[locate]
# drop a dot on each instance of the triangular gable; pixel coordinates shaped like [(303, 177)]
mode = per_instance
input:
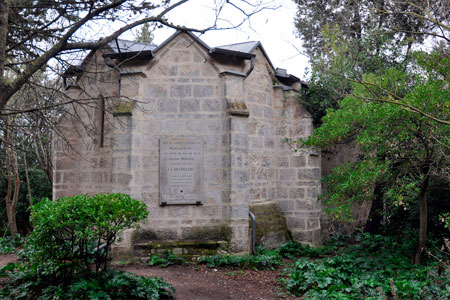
[(177, 33)]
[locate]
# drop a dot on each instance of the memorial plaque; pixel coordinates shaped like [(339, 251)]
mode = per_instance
[(181, 170)]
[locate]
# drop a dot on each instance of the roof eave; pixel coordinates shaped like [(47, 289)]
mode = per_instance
[(131, 55), (227, 52)]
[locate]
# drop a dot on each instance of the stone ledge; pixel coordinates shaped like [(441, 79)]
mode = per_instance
[(187, 249)]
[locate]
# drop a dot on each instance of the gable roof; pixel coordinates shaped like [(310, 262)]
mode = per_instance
[(247, 47), (123, 49)]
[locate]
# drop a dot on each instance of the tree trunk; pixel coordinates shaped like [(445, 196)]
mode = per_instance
[(4, 10), (11, 212), (423, 218), (30, 197), (12, 195)]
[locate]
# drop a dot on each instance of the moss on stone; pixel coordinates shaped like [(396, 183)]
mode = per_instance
[(205, 233), (143, 234), (271, 229), (189, 250), (123, 107)]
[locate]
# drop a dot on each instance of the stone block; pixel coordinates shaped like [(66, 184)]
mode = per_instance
[(181, 91), (295, 223), (189, 70), (296, 193), (308, 174), (172, 126), (313, 224), (202, 91), (189, 105), (212, 105), (168, 70), (282, 193), (268, 113), (303, 205), (239, 140), (180, 56), (297, 161), (286, 205), (286, 175), (239, 176), (168, 106), (312, 192)]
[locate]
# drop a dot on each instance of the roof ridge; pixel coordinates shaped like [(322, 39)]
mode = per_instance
[(131, 41), (237, 43)]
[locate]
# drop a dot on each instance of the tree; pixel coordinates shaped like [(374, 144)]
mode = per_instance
[(393, 104), (32, 33), (144, 35), (373, 35), (25, 141)]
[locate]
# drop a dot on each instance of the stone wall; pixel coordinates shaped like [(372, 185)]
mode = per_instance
[(82, 150), (183, 92), (181, 96), (298, 172)]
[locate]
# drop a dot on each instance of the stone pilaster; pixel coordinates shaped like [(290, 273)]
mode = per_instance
[(298, 172), (239, 173)]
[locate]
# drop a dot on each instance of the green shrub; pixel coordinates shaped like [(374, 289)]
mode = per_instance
[(66, 255), (73, 233), (166, 259), (106, 285)]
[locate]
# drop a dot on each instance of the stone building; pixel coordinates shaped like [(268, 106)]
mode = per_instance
[(199, 134)]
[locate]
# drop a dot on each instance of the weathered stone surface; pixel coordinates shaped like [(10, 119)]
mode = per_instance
[(185, 94), (181, 91)]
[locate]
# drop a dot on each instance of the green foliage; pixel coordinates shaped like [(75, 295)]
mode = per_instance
[(106, 285), (66, 242), (68, 233), (40, 188), (371, 268), (342, 62), (263, 260), (399, 148), (445, 219), (166, 259), (144, 34), (9, 244), (293, 249)]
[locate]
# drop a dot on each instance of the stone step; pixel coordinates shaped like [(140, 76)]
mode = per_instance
[(188, 248)]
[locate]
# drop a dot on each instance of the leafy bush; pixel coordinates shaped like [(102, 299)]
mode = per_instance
[(105, 285), (377, 267), (166, 259), (66, 255), (9, 244), (72, 233)]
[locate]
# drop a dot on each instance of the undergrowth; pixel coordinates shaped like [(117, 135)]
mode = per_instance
[(374, 267), (263, 260), (106, 285), (9, 244), (166, 259)]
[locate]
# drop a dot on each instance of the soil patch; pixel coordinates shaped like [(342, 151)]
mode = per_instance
[(6, 259), (193, 282)]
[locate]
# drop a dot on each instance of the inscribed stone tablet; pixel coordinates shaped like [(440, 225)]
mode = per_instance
[(181, 170)]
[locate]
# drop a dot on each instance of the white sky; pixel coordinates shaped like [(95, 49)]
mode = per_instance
[(273, 28)]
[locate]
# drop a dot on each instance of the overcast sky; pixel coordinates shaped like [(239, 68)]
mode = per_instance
[(274, 28)]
